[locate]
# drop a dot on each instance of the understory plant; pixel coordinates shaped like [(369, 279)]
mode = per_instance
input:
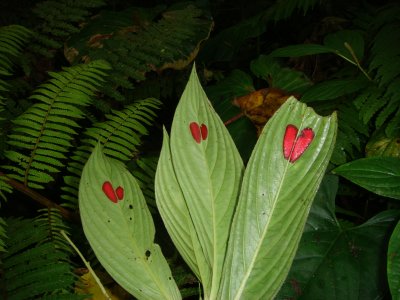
[(237, 228)]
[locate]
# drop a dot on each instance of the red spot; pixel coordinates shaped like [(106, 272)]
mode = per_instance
[(293, 145), (109, 191), (195, 130), (120, 192), (204, 131)]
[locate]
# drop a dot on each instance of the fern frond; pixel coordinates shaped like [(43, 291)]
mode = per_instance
[(382, 101), (144, 170), (51, 220), (282, 10), (3, 235), (43, 134), (120, 134), (350, 133), (386, 60), (32, 268), (12, 40), (171, 42), (59, 20)]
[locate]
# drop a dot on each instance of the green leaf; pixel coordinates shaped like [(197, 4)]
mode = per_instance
[(393, 263), (208, 170), (122, 233), (300, 50), (173, 210), (347, 44), (337, 260), (274, 202), (332, 89), (284, 78), (380, 175)]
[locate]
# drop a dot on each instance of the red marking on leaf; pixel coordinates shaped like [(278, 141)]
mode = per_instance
[(109, 191), (120, 192), (293, 145), (204, 131), (195, 130)]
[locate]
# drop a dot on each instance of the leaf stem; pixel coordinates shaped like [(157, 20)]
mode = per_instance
[(357, 62), (67, 214), (87, 264)]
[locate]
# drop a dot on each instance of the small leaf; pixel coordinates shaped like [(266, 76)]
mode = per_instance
[(380, 175), (120, 229)]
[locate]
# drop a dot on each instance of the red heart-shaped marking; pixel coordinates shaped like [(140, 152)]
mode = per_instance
[(294, 145), (113, 195), (198, 132)]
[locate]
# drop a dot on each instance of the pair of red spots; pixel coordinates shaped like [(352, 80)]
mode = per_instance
[(199, 132), (113, 194), (294, 144)]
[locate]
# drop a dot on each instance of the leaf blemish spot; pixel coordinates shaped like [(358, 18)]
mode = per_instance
[(130, 206), (147, 254)]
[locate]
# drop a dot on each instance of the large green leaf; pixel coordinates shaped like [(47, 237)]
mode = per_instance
[(205, 164), (119, 227), (380, 175), (274, 201), (334, 88), (393, 263), (348, 44), (172, 207), (300, 50), (337, 260)]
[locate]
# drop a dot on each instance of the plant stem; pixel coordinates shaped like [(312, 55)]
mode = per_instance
[(67, 214), (87, 264), (348, 47)]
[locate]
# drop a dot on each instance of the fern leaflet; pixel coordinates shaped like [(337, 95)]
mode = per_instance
[(121, 135), (60, 19), (44, 132), (32, 268)]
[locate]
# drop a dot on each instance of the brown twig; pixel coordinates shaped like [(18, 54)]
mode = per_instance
[(233, 119), (67, 214)]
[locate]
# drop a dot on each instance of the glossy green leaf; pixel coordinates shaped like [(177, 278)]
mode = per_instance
[(380, 175), (393, 263), (332, 89), (208, 170), (121, 232), (275, 198), (349, 44), (300, 50), (336, 259)]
